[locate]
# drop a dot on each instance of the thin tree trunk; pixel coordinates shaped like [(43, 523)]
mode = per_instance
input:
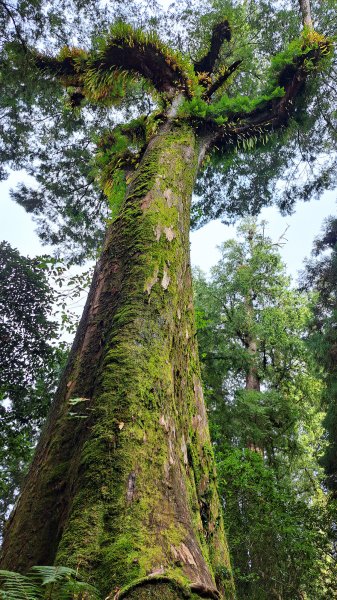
[(306, 13), (252, 376), (122, 486), (253, 383)]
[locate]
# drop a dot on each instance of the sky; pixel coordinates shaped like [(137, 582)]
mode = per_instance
[(17, 227), (299, 229)]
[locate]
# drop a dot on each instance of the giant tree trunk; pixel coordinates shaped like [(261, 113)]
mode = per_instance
[(122, 486)]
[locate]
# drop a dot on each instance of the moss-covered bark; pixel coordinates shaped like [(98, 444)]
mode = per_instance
[(123, 483)]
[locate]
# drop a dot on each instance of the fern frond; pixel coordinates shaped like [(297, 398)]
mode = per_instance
[(47, 575), (54, 583), (14, 586)]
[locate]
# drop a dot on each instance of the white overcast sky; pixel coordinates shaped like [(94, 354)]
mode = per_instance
[(304, 225)]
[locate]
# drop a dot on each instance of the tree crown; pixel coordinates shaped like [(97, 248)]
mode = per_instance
[(129, 81)]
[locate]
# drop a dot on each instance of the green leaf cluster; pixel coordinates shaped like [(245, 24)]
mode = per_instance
[(221, 111), (45, 583), (320, 276), (30, 364)]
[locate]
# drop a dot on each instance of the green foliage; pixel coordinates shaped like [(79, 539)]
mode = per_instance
[(305, 45), (56, 145), (26, 330), (252, 326), (118, 151), (31, 362), (45, 583), (320, 276), (282, 535), (221, 111)]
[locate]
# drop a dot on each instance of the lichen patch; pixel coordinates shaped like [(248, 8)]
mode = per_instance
[(165, 282), (184, 554), (164, 423), (170, 233), (184, 450), (169, 197), (157, 232), (151, 281), (147, 201)]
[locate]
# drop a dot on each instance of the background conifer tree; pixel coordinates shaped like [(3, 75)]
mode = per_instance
[(263, 391)]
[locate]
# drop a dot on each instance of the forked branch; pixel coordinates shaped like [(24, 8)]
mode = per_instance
[(221, 33), (272, 114)]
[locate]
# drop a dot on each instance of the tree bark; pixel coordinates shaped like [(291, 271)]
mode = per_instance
[(253, 383), (123, 483), (306, 13), (252, 375)]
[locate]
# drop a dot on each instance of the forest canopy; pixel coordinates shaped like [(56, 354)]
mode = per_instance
[(42, 134)]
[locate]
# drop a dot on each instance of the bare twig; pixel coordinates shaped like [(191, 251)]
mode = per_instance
[(282, 239)]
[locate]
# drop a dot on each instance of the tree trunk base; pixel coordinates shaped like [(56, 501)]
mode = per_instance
[(165, 589)]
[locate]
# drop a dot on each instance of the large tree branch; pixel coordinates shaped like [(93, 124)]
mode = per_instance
[(272, 114), (124, 50), (146, 60), (221, 32)]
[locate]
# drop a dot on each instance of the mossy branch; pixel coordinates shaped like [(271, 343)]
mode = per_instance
[(254, 118), (123, 53), (144, 54), (184, 591), (221, 33)]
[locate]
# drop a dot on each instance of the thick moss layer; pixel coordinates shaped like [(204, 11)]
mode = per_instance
[(165, 590), (125, 489)]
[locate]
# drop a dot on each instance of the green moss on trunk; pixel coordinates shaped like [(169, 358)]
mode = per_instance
[(163, 589), (125, 489)]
